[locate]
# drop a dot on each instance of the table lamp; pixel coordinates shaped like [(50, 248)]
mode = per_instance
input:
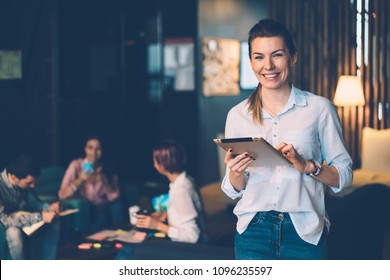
[(349, 91)]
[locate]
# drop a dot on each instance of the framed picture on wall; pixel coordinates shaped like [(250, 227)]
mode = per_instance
[(248, 80), (220, 64), (179, 69), (10, 64)]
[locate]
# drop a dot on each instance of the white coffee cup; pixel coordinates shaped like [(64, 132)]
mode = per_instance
[(133, 214)]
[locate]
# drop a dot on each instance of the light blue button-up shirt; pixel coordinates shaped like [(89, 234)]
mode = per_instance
[(311, 124)]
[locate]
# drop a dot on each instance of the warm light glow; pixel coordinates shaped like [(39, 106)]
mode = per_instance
[(349, 92)]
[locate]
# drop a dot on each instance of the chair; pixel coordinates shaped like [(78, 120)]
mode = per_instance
[(49, 182), (359, 229), (47, 187), (375, 167)]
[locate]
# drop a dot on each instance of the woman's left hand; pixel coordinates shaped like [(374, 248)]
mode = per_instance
[(289, 152), (146, 222)]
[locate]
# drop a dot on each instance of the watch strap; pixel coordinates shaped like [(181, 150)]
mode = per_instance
[(317, 169)]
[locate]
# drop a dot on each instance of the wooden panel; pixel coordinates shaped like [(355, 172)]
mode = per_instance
[(325, 36)]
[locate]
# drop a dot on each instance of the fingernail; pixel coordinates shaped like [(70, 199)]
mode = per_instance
[(246, 154)]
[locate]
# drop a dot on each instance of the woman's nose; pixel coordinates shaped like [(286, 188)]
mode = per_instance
[(269, 65)]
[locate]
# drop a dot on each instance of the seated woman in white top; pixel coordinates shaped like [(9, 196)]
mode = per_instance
[(183, 220)]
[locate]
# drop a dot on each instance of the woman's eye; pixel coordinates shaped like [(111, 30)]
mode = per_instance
[(278, 54), (259, 57)]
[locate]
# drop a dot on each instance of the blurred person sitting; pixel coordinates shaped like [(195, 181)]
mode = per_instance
[(183, 219), (93, 179), (17, 181)]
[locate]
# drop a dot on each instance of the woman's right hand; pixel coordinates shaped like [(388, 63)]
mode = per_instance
[(237, 165), (83, 177)]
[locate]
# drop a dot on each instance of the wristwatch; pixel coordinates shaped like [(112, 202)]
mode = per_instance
[(317, 169)]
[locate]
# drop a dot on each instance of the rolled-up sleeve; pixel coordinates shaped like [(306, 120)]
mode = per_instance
[(332, 146), (228, 188)]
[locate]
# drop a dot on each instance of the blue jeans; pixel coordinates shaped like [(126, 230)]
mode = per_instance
[(272, 236), (46, 239)]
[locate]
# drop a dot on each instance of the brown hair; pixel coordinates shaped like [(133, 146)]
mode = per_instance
[(266, 28), (171, 155)]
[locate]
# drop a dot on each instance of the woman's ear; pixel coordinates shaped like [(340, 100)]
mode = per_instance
[(294, 60)]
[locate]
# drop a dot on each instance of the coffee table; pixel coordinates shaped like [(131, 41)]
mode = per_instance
[(106, 250), (72, 252)]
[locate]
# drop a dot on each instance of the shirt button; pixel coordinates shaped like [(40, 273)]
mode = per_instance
[(274, 204), (280, 216), (275, 135), (275, 122), (277, 188)]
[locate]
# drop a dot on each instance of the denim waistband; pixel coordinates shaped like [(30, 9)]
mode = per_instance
[(274, 216)]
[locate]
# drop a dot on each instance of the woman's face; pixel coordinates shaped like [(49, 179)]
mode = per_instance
[(271, 61), (93, 151)]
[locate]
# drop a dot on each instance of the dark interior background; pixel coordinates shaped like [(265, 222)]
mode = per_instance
[(85, 70), (84, 67)]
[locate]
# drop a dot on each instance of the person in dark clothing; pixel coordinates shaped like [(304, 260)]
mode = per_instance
[(16, 188)]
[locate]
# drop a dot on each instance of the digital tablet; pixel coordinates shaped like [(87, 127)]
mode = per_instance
[(264, 153)]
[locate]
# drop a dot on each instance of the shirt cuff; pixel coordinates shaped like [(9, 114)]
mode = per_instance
[(229, 189), (173, 233), (345, 178)]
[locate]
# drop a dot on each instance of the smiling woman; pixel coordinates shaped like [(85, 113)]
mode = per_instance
[(283, 205), (94, 179)]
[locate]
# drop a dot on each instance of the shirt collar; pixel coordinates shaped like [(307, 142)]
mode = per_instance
[(4, 175), (296, 98), (178, 181)]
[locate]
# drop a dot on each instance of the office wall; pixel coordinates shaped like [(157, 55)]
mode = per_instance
[(105, 81), (85, 71), (229, 19), (26, 114)]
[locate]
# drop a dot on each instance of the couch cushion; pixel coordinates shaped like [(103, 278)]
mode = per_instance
[(375, 151)]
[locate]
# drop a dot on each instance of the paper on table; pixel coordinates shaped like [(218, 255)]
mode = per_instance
[(102, 235), (131, 236)]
